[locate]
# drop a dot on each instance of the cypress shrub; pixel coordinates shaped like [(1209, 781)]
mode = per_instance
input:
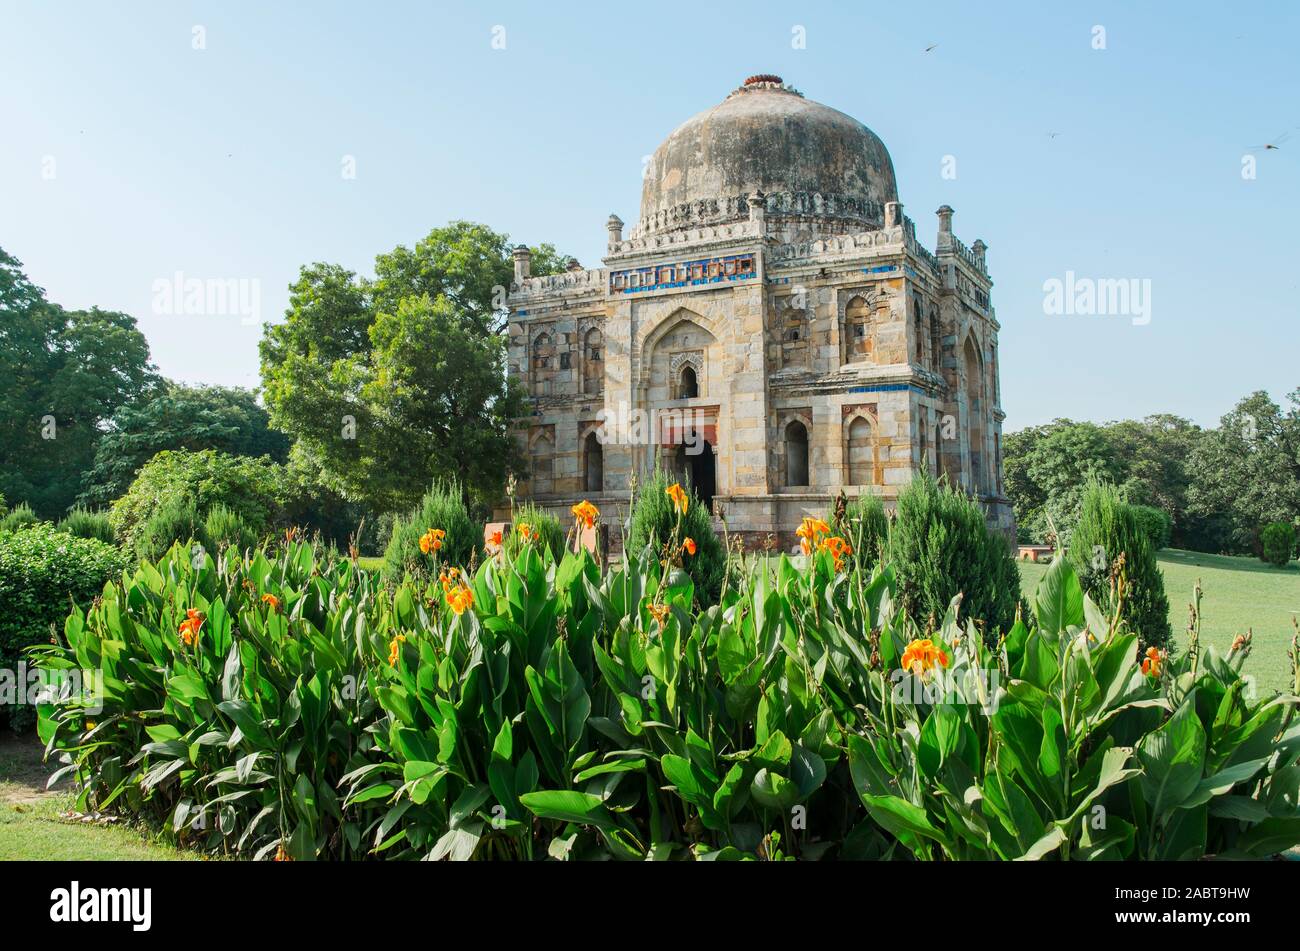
[(939, 545), (84, 523), (544, 524), (654, 520), (1107, 528), (442, 507), (19, 517), (176, 520), (1277, 543), (224, 528)]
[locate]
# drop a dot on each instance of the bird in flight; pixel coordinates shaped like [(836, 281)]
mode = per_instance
[(1274, 144), (930, 47)]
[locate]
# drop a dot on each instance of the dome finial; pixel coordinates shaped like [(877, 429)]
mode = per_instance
[(764, 78)]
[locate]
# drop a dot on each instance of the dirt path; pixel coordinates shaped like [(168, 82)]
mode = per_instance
[(23, 775)]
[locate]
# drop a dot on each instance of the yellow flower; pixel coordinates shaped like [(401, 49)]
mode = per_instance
[(585, 513), (526, 531), (921, 656), (681, 501), (688, 546), (660, 613), (281, 855), (394, 648), (1152, 662), (189, 629), (460, 598), (432, 540)]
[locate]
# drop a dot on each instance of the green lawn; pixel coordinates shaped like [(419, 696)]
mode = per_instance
[(1239, 593), (371, 564), (33, 825)]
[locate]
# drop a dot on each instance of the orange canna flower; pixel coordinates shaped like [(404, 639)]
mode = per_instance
[(526, 532), (272, 601), (681, 501), (460, 598), (1153, 661), (922, 656), (839, 549), (1238, 643), (660, 613), (585, 513), (810, 532), (432, 540), (394, 649), (281, 855), (189, 629), (495, 541), (688, 546)]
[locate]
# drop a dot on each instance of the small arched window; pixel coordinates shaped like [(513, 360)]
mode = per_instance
[(593, 463), (688, 385), (796, 454)]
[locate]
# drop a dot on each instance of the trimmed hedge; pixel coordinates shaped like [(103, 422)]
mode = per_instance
[(42, 572)]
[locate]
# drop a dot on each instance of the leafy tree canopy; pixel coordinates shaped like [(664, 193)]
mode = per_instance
[(228, 419), (387, 384), (66, 373)]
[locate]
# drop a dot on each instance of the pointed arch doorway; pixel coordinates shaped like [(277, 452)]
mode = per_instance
[(699, 470)]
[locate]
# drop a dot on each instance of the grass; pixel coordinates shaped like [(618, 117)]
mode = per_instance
[(35, 825), (1240, 593), (371, 563)]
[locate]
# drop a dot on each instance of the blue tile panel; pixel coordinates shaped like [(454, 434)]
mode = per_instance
[(743, 267), (884, 388)]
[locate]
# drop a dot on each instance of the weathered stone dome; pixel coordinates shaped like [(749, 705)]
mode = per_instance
[(804, 157)]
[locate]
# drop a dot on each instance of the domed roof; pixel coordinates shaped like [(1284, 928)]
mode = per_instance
[(804, 157)]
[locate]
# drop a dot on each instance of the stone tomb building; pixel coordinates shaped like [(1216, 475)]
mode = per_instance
[(771, 329)]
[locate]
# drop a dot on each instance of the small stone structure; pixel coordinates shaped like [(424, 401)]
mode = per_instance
[(772, 330)]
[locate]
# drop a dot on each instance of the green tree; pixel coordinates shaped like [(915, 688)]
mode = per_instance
[(391, 383), (66, 373), (1045, 470), (227, 419), (1107, 529), (1246, 473)]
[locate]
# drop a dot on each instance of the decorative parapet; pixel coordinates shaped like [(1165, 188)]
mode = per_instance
[(835, 244), (677, 239), (717, 211), (576, 280)]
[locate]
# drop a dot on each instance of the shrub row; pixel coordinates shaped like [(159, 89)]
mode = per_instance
[(291, 708)]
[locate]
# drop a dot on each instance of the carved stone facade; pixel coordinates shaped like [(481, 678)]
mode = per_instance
[(772, 330)]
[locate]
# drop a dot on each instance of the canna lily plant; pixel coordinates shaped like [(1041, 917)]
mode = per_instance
[(543, 709)]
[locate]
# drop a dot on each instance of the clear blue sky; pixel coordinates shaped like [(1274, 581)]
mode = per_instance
[(226, 162)]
